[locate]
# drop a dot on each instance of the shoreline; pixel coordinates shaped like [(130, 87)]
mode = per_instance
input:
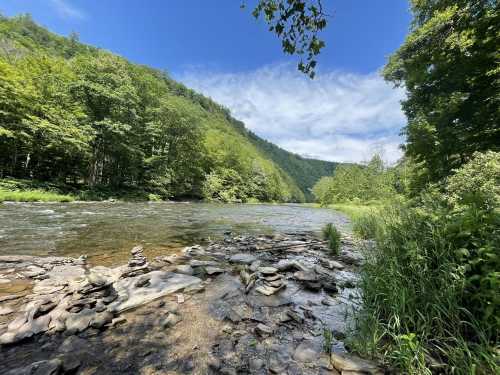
[(245, 303)]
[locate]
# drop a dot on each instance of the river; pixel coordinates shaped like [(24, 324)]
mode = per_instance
[(106, 231), (264, 295)]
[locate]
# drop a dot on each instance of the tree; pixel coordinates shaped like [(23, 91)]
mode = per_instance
[(297, 24), (449, 67)]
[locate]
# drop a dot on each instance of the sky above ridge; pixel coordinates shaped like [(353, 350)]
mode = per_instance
[(345, 114)]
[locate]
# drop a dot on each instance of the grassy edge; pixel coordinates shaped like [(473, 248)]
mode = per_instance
[(33, 196)]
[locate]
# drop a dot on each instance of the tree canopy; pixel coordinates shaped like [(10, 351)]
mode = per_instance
[(449, 66)]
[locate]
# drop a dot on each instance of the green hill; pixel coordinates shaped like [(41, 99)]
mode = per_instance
[(87, 119)]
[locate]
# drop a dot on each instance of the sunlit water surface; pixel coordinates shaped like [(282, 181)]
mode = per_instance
[(107, 231)]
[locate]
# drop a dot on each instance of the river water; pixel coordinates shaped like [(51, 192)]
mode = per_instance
[(106, 231)]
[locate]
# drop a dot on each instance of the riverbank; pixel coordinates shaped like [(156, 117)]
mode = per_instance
[(245, 304), (18, 190)]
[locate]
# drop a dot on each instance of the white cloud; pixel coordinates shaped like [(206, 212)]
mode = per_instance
[(338, 116), (66, 10)]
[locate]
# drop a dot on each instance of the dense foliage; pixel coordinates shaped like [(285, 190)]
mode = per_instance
[(80, 116), (357, 183), (430, 284), (449, 67)]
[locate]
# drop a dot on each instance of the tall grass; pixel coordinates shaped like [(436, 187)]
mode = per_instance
[(418, 313), (34, 196), (332, 235)]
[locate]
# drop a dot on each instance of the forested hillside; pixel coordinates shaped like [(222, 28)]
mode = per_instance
[(83, 117)]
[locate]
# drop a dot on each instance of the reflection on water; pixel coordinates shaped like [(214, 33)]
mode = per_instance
[(107, 231)]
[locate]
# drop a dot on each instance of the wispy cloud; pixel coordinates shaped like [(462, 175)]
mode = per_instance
[(66, 10), (338, 116)]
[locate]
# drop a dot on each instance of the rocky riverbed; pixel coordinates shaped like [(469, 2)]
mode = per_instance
[(274, 304)]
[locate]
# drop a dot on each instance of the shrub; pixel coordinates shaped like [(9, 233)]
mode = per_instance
[(332, 235)]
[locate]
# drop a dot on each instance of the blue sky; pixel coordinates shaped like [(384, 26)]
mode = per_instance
[(217, 48)]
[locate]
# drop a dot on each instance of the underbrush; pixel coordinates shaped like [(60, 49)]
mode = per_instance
[(430, 285)]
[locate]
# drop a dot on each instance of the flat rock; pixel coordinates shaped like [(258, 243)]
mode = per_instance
[(96, 279), (242, 258), (162, 283), (213, 270), (305, 353), (255, 265), (6, 310), (101, 319), (263, 330), (50, 367), (333, 264), (290, 265), (184, 269), (203, 263), (268, 290), (79, 322), (305, 276), (267, 270), (136, 249), (352, 365), (10, 297)]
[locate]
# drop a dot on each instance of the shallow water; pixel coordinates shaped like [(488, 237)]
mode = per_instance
[(107, 231)]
